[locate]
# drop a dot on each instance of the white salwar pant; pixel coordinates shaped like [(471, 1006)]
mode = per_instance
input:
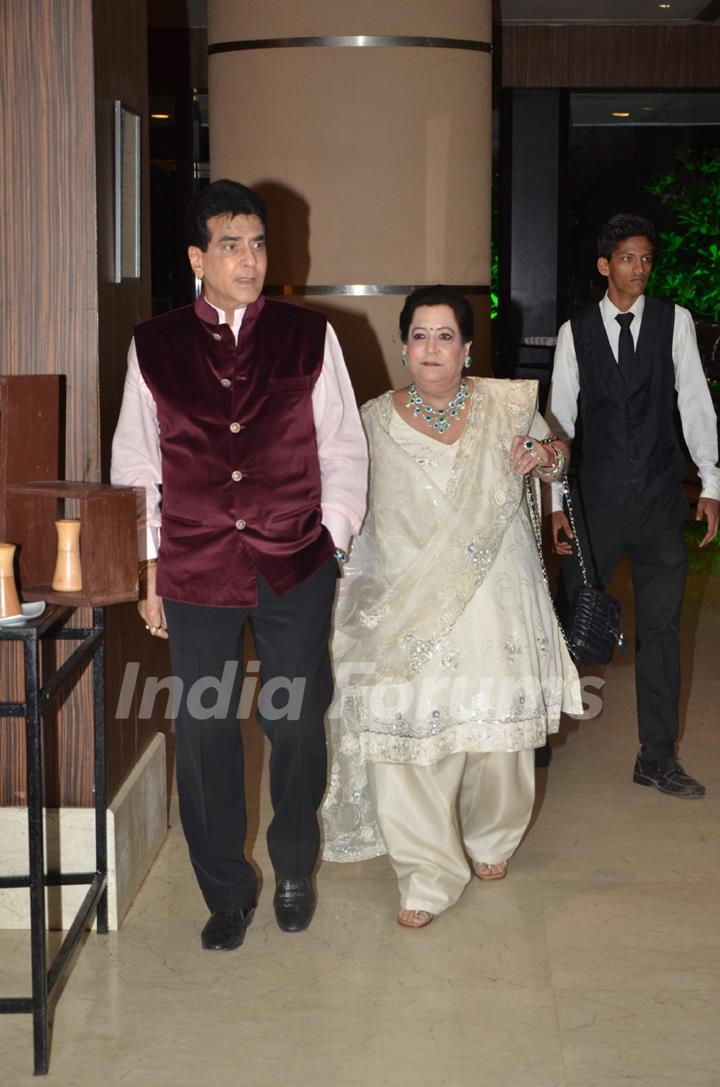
[(475, 804)]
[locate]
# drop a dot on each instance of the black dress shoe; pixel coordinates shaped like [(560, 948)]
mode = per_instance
[(294, 904), (668, 776), (226, 929), (543, 755)]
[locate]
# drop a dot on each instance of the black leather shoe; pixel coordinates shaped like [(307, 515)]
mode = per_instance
[(294, 904), (226, 929), (543, 756), (668, 776)]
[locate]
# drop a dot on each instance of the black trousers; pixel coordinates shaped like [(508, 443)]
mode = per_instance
[(291, 635), (651, 534)]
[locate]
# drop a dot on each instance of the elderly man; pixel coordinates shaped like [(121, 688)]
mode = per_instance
[(241, 409)]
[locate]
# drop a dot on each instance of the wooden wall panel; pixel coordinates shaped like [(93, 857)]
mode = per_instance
[(61, 66), (600, 56), (48, 295), (48, 302)]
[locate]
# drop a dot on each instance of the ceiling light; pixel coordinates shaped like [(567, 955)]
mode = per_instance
[(621, 114), (160, 116), (664, 5)]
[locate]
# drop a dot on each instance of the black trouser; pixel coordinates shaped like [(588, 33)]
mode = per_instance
[(651, 534), (291, 635)]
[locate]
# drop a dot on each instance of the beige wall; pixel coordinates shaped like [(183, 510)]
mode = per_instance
[(375, 161)]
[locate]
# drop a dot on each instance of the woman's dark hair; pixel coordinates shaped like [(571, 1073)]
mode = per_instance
[(438, 295), (222, 197), (620, 227)]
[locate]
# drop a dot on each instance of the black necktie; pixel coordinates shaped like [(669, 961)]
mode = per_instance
[(626, 347)]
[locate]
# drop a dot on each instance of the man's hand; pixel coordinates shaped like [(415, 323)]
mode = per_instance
[(709, 508), (560, 524), (150, 605)]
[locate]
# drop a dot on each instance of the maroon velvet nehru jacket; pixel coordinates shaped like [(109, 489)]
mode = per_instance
[(240, 470)]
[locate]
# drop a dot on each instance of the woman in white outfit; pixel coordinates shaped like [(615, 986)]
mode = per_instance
[(450, 667)]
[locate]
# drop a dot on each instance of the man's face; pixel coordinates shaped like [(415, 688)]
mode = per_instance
[(234, 264), (627, 270)]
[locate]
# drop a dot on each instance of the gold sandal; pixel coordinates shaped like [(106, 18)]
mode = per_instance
[(490, 871), (414, 918)]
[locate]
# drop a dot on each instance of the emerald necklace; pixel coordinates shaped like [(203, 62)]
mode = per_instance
[(440, 419)]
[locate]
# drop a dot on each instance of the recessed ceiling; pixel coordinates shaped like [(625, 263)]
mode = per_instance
[(599, 11)]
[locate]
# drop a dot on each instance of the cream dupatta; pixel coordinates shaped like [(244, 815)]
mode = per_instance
[(422, 553), (418, 562)]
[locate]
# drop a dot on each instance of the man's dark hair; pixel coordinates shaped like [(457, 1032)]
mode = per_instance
[(222, 197), (620, 227), (438, 295)]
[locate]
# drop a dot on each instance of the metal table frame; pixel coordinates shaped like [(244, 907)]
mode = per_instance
[(47, 977)]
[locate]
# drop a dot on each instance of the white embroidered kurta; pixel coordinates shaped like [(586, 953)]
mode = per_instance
[(445, 638)]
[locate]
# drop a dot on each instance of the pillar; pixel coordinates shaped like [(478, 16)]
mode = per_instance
[(367, 129)]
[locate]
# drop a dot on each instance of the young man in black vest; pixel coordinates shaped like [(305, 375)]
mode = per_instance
[(242, 410), (624, 365)]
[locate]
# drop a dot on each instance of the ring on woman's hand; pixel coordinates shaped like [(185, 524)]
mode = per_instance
[(528, 444)]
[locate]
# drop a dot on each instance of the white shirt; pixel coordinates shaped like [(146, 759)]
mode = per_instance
[(695, 405), (342, 448)]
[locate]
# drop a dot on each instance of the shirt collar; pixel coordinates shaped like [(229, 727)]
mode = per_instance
[(237, 316), (609, 310)]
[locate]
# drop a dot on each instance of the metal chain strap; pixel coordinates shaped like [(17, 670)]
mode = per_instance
[(537, 532), (583, 570)]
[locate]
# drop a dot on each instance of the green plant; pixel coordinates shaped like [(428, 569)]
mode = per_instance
[(687, 265), (494, 280)]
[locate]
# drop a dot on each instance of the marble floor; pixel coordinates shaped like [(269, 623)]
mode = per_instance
[(596, 963)]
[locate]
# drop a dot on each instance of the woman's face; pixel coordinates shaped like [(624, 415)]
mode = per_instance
[(435, 350)]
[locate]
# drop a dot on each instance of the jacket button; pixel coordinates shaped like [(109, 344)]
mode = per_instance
[(225, 382), (240, 525), (216, 336), (236, 476), (235, 428)]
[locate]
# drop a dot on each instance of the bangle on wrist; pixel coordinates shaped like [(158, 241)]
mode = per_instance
[(552, 471), (143, 566)]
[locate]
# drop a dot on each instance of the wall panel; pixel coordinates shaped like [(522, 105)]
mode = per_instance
[(607, 55), (61, 66)]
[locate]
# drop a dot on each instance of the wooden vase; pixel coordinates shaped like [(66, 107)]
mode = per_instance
[(68, 573), (9, 600)]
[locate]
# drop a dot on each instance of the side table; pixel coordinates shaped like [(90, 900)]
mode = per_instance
[(47, 977)]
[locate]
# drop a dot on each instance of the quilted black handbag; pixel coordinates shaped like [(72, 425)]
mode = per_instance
[(593, 630)]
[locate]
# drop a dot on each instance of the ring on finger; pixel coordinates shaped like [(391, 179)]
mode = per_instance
[(528, 444)]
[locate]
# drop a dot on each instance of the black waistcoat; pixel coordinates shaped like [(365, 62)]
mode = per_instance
[(629, 439)]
